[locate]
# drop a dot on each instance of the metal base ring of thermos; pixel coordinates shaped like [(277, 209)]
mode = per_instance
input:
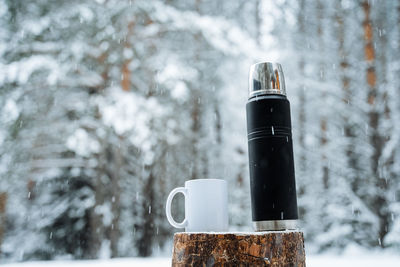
[(275, 225)]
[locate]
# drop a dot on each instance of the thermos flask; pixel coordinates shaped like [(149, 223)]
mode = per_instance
[(272, 179)]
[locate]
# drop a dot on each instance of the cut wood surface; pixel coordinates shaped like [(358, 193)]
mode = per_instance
[(274, 248)]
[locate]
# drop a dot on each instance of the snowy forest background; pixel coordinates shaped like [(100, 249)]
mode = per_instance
[(107, 105)]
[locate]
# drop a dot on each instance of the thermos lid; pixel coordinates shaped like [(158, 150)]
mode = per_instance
[(266, 78)]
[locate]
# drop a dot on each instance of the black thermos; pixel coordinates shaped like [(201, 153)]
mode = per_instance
[(272, 180)]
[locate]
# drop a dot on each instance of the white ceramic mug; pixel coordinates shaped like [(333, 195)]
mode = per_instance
[(206, 206)]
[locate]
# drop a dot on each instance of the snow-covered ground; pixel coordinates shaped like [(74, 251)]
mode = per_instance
[(367, 260)]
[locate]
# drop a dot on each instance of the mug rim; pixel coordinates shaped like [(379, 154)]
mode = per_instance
[(204, 179)]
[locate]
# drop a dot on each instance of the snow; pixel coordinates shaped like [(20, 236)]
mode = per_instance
[(353, 261), (86, 14), (366, 260), (145, 262), (11, 111), (82, 144), (221, 34), (22, 70), (119, 113), (241, 233), (60, 67), (105, 211)]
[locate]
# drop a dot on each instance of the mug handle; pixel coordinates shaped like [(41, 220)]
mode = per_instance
[(171, 220)]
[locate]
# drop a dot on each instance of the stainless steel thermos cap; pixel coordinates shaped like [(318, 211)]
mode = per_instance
[(266, 78)]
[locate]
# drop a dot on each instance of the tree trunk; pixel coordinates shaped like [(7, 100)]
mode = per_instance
[(369, 53), (379, 201), (321, 78), (284, 248), (386, 127), (3, 202), (126, 72), (344, 65), (195, 116), (258, 21), (146, 240), (115, 177), (302, 165), (97, 228)]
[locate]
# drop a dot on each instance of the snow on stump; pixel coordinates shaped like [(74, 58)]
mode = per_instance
[(273, 248)]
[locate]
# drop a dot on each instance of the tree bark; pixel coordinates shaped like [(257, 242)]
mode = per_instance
[(345, 67), (284, 248), (115, 193), (302, 118), (377, 142), (97, 228), (323, 119), (258, 21), (145, 242), (126, 72), (3, 202)]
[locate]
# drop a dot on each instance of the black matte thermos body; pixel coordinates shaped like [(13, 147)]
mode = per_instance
[(272, 179)]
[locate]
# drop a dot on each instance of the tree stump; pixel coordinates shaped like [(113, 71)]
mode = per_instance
[(273, 248)]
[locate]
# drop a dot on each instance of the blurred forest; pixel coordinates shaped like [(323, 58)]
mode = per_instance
[(107, 105)]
